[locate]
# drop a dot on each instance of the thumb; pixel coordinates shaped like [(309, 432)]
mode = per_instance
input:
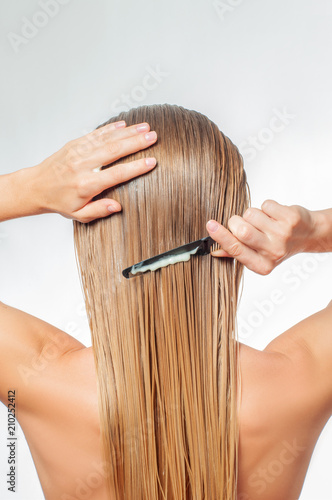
[(96, 210), (221, 253)]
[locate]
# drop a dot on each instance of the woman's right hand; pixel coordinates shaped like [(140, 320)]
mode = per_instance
[(262, 239)]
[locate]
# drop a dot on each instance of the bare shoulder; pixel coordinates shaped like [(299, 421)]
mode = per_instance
[(63, 429), (28, 345), (284, 405), (307, 347), (292, 377)]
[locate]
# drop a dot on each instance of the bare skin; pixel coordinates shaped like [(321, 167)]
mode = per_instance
[(286, 396), (286, 389), (285, 403)]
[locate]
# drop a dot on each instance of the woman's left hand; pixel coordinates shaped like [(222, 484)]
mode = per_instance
[(262, 239), (67, 181)]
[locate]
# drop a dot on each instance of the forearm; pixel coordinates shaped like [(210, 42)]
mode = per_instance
[(321, 240), (18, 196)]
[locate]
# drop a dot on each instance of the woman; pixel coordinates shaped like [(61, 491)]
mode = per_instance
[(285, 397)]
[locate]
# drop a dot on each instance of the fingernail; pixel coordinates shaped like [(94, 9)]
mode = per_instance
[(151, 136), (112, 207), (212, 226), (143, 127), (150, 162), (121, 124)]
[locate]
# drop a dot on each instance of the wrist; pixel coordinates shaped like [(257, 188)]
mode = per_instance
[(321, 237), (19, 194)]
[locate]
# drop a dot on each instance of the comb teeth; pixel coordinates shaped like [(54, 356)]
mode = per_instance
[(179, 254)]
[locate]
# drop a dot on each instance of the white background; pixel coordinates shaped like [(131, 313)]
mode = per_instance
[(242, 64)]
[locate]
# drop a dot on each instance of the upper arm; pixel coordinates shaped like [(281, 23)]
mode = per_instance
[(308, 345), (28, 346)]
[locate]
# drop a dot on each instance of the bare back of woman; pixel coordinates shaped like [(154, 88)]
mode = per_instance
[(283, 406)]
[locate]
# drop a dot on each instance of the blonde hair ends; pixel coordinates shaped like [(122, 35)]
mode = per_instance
[(165, 342)]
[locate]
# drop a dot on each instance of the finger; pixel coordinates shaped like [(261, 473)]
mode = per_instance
[(111, 151), (109, 127), (120, 132), (220, 253), (248, 234), (236, 249), (86, 147), (259, 220), (275, 210), (96, 210), (93, 138), (229, 242), (121, 173)]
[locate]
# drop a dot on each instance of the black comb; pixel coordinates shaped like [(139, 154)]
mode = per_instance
[(203, 247)]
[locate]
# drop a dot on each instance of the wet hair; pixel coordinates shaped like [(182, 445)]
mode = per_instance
[(164, 342)]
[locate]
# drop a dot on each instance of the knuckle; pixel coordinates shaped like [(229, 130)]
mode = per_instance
[(114, 148), (84, 218), (244, 232), (142, 140), (235, 249), (100, 138), (98, 134), (268, 204), (287, 231), (82, 187), (233, 224), (249, 213), (266, 268), (278, 253), (294, 216), (70, 144), (73, 162), (72, 159), (140, 164), (84, 146)]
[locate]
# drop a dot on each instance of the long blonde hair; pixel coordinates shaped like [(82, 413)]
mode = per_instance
[(165, 342)]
